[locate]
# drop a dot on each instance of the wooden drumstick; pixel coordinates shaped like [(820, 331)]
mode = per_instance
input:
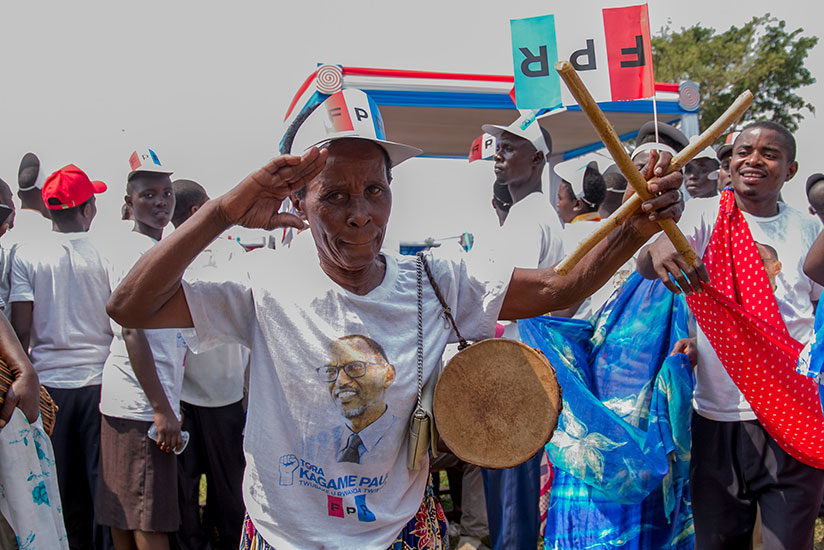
[(613, 144), (707, 138)]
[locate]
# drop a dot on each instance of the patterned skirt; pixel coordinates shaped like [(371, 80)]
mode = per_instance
[(425, 531)]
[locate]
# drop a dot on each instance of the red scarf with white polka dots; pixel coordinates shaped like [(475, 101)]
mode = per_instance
[(739, 314)]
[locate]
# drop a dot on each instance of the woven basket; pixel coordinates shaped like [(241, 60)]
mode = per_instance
[(48, 410)]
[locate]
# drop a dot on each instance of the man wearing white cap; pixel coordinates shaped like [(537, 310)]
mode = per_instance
[(582, 189), (724, 156), (532, 230), (531, 238), (30, 179), (289, 308)]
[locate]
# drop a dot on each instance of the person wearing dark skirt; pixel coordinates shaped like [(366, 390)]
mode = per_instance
[(137, 488)]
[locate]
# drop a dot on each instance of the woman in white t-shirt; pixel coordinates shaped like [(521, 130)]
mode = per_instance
[(333, 375)]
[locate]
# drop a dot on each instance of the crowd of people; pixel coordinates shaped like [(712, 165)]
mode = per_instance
[(288, 377)]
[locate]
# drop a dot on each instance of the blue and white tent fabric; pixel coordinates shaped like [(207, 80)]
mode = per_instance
[(621, 450)]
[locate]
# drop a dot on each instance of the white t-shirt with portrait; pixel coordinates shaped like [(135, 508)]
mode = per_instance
[(790, 233), (65, 277), (288, 312), (121, 395)]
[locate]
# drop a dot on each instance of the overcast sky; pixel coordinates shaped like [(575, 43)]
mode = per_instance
[(206, 84)]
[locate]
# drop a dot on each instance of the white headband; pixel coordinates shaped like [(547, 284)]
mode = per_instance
[(42, 176), (650, 145)]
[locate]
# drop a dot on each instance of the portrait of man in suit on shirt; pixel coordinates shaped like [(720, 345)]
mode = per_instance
[(358, 375)]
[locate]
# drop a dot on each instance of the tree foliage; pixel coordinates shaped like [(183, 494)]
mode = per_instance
[(761, 56)]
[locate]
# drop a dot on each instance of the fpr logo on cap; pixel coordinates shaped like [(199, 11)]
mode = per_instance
[(349, 113), (340, 116), (338, 119), (138, 160)]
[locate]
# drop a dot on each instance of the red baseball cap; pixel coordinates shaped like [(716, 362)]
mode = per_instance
[(69, 187)]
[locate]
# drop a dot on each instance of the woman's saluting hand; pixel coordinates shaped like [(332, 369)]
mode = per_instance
[(255, 201)]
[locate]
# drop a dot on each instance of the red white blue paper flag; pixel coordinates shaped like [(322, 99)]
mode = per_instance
[(482, 148), (525, 126), (610, 49)]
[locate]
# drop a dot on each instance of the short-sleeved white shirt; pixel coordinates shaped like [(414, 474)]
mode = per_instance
[(65, 277), (288, 312), (121, 395), (531, 238), (790, 233), (532, 234), (214, 378)]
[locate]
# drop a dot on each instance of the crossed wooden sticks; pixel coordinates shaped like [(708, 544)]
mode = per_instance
[(613, 144)]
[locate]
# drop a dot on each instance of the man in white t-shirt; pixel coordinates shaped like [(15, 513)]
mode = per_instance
[(211, 402), (28, 223), (531, 238), (142, 377), (59, 288), (736, 464)]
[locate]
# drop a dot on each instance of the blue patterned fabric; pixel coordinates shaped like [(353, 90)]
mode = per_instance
[(621, 450), (29, 495), (811, 359)]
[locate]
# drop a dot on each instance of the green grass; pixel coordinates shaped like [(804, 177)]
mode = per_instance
[(201, 495)]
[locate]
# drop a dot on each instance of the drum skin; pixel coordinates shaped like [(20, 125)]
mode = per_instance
[(497, 403)]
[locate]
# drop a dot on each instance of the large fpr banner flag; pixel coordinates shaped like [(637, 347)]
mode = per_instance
[(610, 49)]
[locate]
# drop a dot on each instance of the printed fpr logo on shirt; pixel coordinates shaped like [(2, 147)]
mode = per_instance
[(338, 509)]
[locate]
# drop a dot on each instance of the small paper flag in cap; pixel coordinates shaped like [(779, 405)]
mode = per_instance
[(146, 160), (525, 126), (482, 148)]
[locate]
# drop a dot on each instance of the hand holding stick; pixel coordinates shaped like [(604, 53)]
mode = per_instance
[(613, 144)]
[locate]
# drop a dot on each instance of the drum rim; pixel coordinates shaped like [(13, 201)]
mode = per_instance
[(556, 398)]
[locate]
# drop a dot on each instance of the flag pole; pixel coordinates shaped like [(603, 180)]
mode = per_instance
[(655, 113)]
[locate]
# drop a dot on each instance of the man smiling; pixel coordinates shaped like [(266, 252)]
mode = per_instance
[(737, 464), (358, 377)]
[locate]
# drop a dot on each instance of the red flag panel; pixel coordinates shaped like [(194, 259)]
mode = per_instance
[(629, 52), (475, 149)]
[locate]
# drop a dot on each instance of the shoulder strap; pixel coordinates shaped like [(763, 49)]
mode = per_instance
[(447, 312)]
